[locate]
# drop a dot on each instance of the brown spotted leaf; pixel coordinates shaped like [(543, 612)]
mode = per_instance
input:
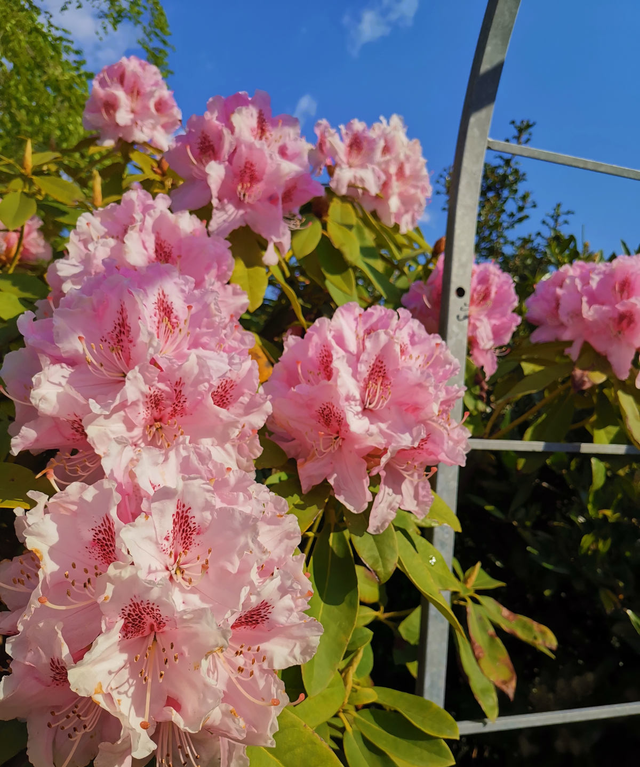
[(491, 654), (526, 629)]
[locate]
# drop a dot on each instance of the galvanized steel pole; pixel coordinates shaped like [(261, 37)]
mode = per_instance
[(464, 195)]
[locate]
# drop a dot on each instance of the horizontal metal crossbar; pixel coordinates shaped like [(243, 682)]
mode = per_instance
[(526, 446), (563, 159), (522, 721)]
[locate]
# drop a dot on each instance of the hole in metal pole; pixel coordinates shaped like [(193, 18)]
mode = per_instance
[(460, 292)]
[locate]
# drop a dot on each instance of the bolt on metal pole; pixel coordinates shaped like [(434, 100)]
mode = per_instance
[(464, 195)]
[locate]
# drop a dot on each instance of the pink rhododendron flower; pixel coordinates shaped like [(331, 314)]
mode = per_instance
[(141, 230), (130, 100), (492, 319), (365, 394), (378, 166), (34, 246), (252, 166), (596, 303), (64, 728)]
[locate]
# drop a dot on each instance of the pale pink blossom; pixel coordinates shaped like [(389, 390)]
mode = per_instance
[(34, 246), (366, 394), (130, 101), (594, 303), (64, 728), (492, 319), (378, 166), (251, 165)]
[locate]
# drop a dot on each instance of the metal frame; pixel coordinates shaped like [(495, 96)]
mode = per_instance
[(466, 179)]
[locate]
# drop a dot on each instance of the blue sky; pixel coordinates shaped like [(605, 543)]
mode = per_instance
[(572, 67)]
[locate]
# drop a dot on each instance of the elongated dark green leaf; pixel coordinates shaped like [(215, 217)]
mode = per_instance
[(253, 280), (345, 241), (418, 573), (409, 628), (441, 513), (15, 482), (13, 738), (491, 654), (272, 454), (483, 690), (296, 744), (60, 189), (247, 246), (526, 629), (321, 707), (630, 413), (305, 239), (397, 737), (368, 586), (362, 753), (378, 552), (424, 714), (10, 306), (334, 603), (341, 212), (16, 209), (24, 286), (635, 620), (335, 268), (540, 380), (444, 578), (305, 506)]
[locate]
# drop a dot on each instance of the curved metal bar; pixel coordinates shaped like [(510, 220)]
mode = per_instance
[(466, 180)]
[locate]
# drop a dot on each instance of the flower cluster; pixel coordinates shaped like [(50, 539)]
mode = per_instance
[(596, 303), (378, 166), (252, 166), (491, 317), (34, 246), (159, 591), (364, 395), (130, 101)]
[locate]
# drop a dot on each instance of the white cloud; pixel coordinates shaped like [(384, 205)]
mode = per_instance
[(306, 107), (425, 218), (378, 21), (84, 27)]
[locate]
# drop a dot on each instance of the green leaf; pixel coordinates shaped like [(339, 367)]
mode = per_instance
[(15, 483), (334, 603), (253, 280), (362, 753), (538, 381), (246, 245), (491, 654), (60, 189), (635, 620), (441, 513), (272, 455), (296, 744), (365, 666), (360, 638), (397, 737), (305, 239), (365, 615), (526, 629), (631, 414), (483, 690), (10, 306), (424, 714), (409, 628), (319, 708), (552, 426), (378, 552), (288, 291), (341, 212), (361, 696), (606, 427), (479, 580), (335, 269), (368, 586), (24, 286), (345, 241), (16, 209), (13, 738), (42, 158), (445, 580), (416, 570), (305, 506)]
